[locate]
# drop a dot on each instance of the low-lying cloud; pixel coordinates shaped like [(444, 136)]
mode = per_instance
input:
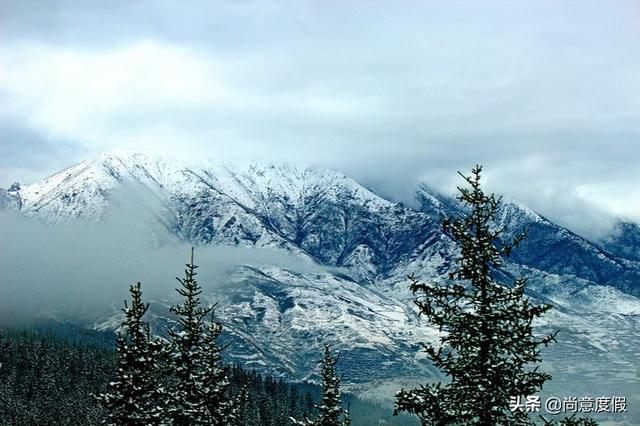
[(85, 269)]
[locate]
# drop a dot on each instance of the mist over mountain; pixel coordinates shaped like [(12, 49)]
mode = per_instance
[(296, 257)]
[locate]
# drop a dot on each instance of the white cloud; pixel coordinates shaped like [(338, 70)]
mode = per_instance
[(81, 94), (542, 93)]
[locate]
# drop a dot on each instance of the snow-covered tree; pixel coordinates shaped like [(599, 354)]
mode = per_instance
[(347, 417), (487, 346), (198, 381), (221, 407), (330, 409), (136, 396), (331, 406)]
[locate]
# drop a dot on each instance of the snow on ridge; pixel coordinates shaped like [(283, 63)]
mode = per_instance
[(252, 185), (510, 206), (232, 204), (30, 194)]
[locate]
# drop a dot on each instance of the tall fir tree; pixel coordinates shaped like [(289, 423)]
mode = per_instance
[(198, 380), (331, 406), (222, 408), (330, 410), (136, 396), (487, 346)]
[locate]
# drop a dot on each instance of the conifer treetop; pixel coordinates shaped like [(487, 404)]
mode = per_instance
[(136, 396), (198, 380), (330, 408), (487, 346)]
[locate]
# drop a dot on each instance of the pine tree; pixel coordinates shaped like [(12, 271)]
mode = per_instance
[(222, 408), (198, 379), (330, 409), (331, 405), (136, 395), (347, 417), (487, 347)]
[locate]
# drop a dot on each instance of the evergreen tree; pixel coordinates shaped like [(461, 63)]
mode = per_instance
[(487, 346), (45, 380), (331, 406), (330, 409), (221, 407), (347, 417), (48, 376), (136, 395), (198, 381)]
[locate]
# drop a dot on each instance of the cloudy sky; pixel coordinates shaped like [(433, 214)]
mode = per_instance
[(545, 94)]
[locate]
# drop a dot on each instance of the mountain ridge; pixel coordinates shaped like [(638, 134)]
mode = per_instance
[(283, 201), (276, 317)]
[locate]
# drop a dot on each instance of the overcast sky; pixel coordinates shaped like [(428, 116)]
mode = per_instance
[(545, 94)]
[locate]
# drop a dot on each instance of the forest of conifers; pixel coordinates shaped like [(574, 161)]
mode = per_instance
[(49, 372)]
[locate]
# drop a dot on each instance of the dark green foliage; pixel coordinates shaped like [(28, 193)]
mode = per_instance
[(187, 369), (47, 380), (488, 347), (196, 376), (221, 405), (331, 406), (269, 401), (136, 396), (330, 410), (347, 417), (71, 333)]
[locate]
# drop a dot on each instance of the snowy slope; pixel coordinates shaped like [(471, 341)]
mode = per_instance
[(321, 212), (552, 248), (277, 318)]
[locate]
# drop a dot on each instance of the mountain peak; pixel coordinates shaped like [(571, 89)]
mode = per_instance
[(348, 251)]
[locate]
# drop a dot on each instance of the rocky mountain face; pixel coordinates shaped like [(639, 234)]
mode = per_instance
[(10, 198), (277, 318), (624, 241)]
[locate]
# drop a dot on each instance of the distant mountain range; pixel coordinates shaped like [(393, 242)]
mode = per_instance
[(277, 318)]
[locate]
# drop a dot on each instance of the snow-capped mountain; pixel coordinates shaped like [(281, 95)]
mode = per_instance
[(277, 318), (322, 213)]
